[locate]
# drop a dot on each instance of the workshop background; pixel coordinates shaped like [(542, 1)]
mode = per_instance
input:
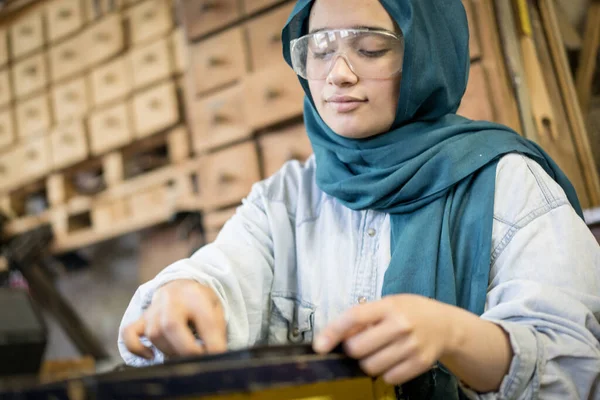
[(131, 129)]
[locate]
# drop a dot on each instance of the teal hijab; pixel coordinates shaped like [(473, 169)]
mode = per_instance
[(433, 171)]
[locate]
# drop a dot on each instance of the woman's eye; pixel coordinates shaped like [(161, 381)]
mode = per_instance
[(373, 53), (320, 55)]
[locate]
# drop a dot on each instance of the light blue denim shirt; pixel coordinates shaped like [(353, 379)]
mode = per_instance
[(292, 259)]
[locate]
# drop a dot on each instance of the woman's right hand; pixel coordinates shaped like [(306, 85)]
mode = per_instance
[(166, 323)]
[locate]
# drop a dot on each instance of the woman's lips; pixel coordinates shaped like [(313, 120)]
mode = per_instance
[(344, 104)]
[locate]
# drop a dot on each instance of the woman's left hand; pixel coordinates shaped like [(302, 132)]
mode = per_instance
[(398, 337)]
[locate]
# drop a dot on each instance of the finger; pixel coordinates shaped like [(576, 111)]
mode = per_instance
[(372, 339), (404, 372), (131, 338), (155, 332), (352, 321), (209, 321), (178, 336), (387, 357)]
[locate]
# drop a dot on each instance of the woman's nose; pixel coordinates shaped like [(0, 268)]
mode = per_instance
[(341, 74)]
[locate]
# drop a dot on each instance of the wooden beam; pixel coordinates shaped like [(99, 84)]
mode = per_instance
[(588, 57)]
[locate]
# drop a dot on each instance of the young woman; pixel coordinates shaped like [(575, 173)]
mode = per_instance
[(447, 255)]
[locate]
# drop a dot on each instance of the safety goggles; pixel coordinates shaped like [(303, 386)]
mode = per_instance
[(371, 54)]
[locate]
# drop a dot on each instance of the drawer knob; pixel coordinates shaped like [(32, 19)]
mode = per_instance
[(26, 30), (225, 178), (209, 6), (67, 139), (71, 96), (111, 122), (102, 36), (68, 54), (110, 79), (154, 104), (150, 58), (272, 93), (219, 119), (64, 13), (31, 70), (149, 15), (31, 155), (214, 61), (32, 113), (276, 38)]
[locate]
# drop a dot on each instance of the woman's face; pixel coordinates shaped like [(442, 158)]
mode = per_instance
[(353, 107)]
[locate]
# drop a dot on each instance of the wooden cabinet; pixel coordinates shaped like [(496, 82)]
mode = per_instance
[(26, 34), (110, 128), (155, 109), (68, 144), (70, 99), (150, 63), (150, 20), (111, 81), (33, 116), (30, 75), (63, 18)]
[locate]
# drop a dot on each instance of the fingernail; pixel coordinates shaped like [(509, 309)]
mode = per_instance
[(321, 344)]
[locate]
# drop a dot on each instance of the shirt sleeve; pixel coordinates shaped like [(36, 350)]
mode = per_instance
[(544, 291), (238, 266)]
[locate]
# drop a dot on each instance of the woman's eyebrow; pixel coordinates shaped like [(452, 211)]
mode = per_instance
[(373, 28)]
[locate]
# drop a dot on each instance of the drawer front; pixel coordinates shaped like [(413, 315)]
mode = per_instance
[(111, 81), (26, 35), (149, 20), (33, 116), (70, 99), (217, 119), (474, 46), (150, 63), (265, 37), (204, 16), (476, 101), (280, 147), (272, 95), (7, 128), (226, 177), (179, 51), (106, 215), (67, 59), (30, 75), (219, 61), (103, 40), (63, 18), (5, 89), (155, 109), (68, 144), (33, 158), (110, 128), (149, 202), (3, 47)]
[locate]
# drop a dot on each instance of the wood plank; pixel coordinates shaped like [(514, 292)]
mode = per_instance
[(569, 95), (589, 55)]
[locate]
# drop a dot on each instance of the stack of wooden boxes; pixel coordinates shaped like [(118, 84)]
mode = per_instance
[(82, 86)]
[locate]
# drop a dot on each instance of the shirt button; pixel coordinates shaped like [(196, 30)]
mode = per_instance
[(362, 300), (371, 232)]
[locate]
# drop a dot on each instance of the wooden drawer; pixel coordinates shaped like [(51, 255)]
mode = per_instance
[(103, 40), (8, 170), (7, 128), (155, 109), (149, 202), (68, 144), (33, 158), (108, 214), (3, 47), (215, 220), (111, 81), (217, 120), (203, 16), (67, 58), (70, 99), (26, 34), (150, 63), (286, 145), (179, 51), (30, 75), (252, 6), (110, 128), (476, 103), (150, 20), (5, 89), (265, 37), (226, 177), (219, 61), (272, 95), (33, 116), (64, 17), (474, 46)]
